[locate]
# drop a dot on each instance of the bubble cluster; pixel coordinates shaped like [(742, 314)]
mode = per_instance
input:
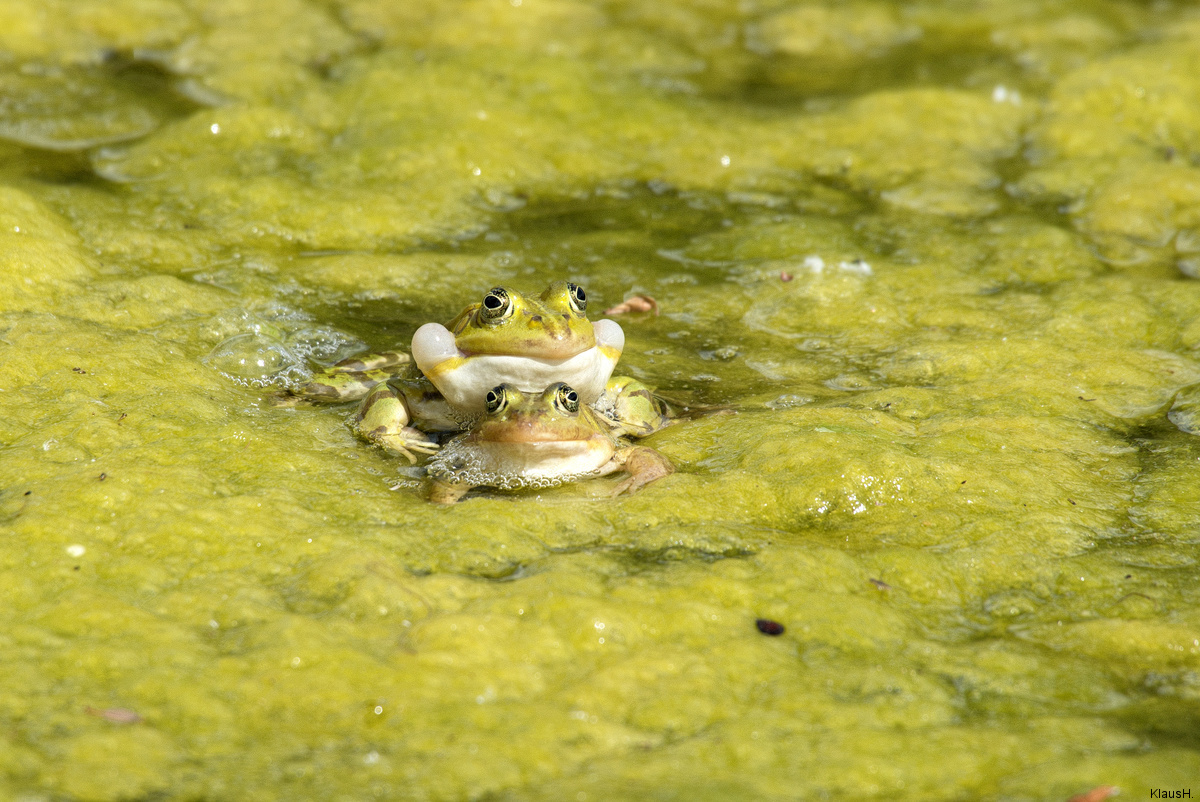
[(324, 345), (274, 349)]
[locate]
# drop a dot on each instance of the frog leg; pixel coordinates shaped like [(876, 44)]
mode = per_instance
[(352, 378), (631, 408), (383, 418), (644, 465), (378, 360), (443, 492)]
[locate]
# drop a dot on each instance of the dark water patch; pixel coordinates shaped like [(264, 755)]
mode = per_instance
[(1171, 719), (812, 83), (71, 109)]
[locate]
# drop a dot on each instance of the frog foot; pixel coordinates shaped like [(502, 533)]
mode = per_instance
[(383, 418), (406, 441), (644, 465), (447, 493)]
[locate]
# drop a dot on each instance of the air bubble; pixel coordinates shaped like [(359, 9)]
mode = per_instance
[(256, 360)]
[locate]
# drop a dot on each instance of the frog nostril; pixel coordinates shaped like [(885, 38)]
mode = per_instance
[(535, 319)]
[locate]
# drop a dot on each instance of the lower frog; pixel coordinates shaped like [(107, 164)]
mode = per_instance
[(538, 440), (408, 415)]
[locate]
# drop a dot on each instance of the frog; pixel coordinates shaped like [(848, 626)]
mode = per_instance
[(529, 343), (537, 440), (507, 338)]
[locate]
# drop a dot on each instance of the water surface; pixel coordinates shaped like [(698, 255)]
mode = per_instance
[(939, 256)]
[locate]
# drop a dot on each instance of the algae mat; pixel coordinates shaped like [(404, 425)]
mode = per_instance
[(940, 257)]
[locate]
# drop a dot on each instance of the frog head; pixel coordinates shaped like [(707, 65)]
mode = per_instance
[(553, 325), (555, 415), (526, 342), (527, 439)]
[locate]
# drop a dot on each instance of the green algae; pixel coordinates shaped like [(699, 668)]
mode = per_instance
[(937, 257)]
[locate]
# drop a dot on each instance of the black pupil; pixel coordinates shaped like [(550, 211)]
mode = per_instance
[(571, 397), (492, 398), (579, 293), (493, 302)]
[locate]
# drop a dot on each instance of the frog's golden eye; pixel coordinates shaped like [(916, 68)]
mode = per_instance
[(578, 297), (495, 400), (496, 306), (566, 399)]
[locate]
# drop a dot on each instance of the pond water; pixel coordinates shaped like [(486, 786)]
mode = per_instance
[(940, 257)]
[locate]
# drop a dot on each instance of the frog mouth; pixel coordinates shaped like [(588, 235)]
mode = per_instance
[(531, 434)]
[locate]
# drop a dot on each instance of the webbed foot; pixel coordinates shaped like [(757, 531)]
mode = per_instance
[(446, 493), (644, 465), (383, 419), (407, 442)]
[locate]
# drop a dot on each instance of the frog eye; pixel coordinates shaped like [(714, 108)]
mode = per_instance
[(496, 305), (567, 399), (578, 297), (495, 399)]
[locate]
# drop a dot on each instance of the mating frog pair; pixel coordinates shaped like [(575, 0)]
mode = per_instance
[(527, 380)]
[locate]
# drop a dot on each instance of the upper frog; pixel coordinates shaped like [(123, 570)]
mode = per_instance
[(538, 440), (522, 341)]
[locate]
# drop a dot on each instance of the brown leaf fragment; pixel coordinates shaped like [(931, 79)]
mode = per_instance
[(1097, 794), (879, 583), (634, 303), (117, 715), (785, 276)]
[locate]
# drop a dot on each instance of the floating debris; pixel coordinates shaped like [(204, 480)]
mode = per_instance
[(634, 303), (117, 715), (768, 627), (816, 265)]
